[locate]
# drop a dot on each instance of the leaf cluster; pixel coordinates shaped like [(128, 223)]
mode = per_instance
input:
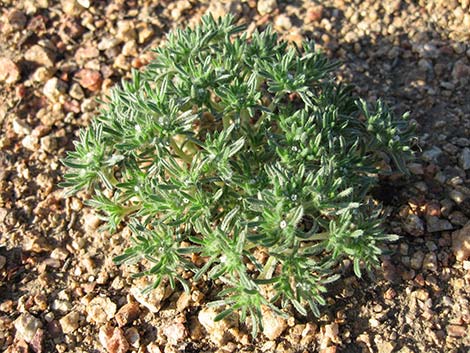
[(245, 153)]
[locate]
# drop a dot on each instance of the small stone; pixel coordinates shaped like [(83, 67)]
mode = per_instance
[(90, 79), (127, 314), (86, 53), (183, 301), (26, 326), (435, 224), (265, 7), (153, 299), (153, 348), (456, 330), (40, 55), (416, 168), (144, 32), (48, 143), (461, 243), (108, 43), (42, 74), (100, 310), (20, 127), (217, 330), (16, 20), (30, 142), (125, 31), (414, 225), (457, 196), (133, 337), (91, 222), (461, 72), (430, 262), (432, 154), (113, 339), (54, 89), (72, 7), (70, 322), (175, 333), (416, 260), (84, 3), (76, 92), (273, 325), (464, 158), (458, 218), (385, 347), (332, 331), (36, 343), (130, 48), (283, 22), (314, 14), (9, 71)]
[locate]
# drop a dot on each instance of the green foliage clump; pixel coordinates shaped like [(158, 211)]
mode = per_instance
[(244, 153)]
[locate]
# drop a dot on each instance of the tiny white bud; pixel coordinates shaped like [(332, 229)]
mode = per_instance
[(283, 224), (293, 197)]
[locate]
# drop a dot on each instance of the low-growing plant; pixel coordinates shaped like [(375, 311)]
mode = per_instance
[(240, 160)]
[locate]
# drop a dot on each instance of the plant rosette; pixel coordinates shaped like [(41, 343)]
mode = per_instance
[(246, 153)]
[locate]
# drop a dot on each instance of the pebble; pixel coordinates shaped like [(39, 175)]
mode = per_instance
[(464, 159), (125, 31), (89, 79), (416, 168), (456, 330), (414, 225), (42, 74), (16, 19), (40, 56), (70, 322), (436, 224), (217, 330), (430, 262), (283, 22), (385, 347), (314, 13), (113, 339), (273, 325), (54, 89), (127, 314), (100, 310), (20, 127), (457, 196), (153, 299), (9, 71), (85, 53), (461, 243), (108, 43), (133, 337), (72, 7), (265, 7), (416, 260), (76, 91), (30, 142), (432, 154), (48, 143), (144, 32), (26, 326), (175, 333)]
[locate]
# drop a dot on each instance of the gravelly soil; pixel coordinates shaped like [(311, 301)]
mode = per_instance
[(61, 292)]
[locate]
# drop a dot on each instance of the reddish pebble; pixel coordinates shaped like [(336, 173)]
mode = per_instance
[(9, 71), (314, 13), (89, 79)]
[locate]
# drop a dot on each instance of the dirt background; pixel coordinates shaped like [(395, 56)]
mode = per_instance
[(61, 292)]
